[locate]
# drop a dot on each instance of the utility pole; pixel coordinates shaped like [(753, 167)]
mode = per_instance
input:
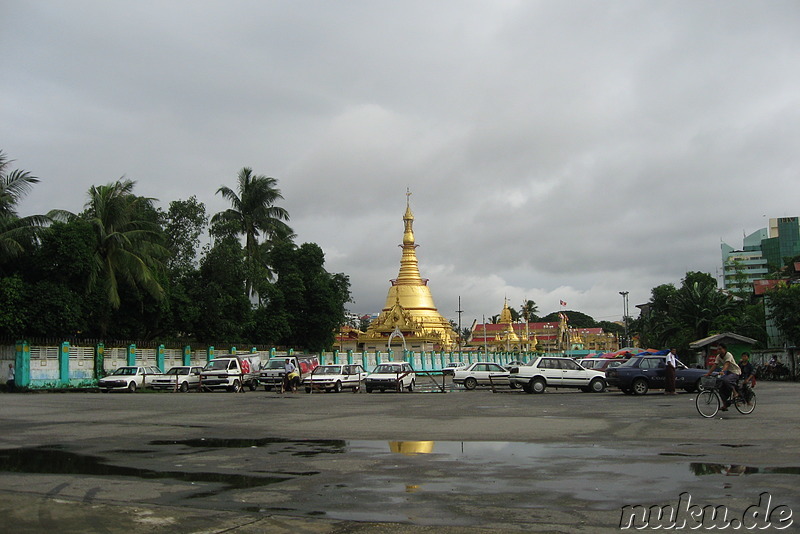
[(625, 316), (459, 311)]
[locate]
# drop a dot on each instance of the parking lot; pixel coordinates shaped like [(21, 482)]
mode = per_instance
[(391, 462)]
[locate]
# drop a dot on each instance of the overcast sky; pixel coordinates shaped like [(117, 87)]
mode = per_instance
[(555, 150)]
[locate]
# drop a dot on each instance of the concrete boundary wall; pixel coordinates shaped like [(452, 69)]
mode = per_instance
[(66, 366)]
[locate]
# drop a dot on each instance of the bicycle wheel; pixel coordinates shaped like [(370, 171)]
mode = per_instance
[(708, 403), (746, 402)]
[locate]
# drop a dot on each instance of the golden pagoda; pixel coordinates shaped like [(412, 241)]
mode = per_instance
[(409, 312), (503, 335)]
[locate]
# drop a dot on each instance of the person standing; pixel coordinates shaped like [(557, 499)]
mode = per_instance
[(10, 382), (669, 372), (288, 369)]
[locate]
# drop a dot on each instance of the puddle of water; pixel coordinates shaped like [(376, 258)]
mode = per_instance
[(405, 481), (703, 468), (310, 447), (45, 460)]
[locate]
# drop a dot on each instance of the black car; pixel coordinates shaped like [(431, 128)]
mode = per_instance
[(642, 373)]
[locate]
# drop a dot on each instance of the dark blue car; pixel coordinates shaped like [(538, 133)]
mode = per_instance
[(642, 373)]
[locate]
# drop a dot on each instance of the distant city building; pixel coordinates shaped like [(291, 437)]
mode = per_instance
[(764, 251)]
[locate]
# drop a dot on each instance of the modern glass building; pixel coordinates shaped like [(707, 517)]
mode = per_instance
[(764, 251)]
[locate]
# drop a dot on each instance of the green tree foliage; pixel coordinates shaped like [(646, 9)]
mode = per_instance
[(528, 311), (784, 306), (17, 234), (677, 316), (223, 307), (183, 224), (127, 246), (307, 297), (576, 319), (254, 214), (12, 313)]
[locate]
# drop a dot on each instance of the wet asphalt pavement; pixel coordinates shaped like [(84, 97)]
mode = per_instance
[(461, 461)]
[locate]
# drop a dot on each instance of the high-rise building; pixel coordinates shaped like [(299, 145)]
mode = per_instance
[(764, 251)]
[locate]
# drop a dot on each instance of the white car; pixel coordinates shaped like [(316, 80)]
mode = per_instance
[(481, 373), (391, 376), (557, 372), (452, 367), (129, 377), (179, 378), (335, 377)]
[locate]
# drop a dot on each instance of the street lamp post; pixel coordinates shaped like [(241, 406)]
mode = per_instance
[(625, 316)]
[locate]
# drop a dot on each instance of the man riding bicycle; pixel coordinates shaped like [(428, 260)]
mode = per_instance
[(729, 372)]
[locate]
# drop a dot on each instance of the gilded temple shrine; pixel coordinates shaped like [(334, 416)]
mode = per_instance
[(409, 319)]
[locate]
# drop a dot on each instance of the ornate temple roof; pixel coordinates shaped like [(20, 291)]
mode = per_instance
[(409, 304)]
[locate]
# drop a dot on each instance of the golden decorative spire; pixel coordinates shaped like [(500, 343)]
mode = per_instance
[(409, 266), (409, 303)]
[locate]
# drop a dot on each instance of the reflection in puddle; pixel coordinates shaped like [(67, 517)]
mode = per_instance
[(702, 468), (45, 460), (421, 482)]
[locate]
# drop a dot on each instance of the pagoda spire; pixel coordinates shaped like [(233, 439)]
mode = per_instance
[(409, 265)]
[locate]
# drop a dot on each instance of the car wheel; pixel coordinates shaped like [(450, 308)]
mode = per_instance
[(527, 387), (308, 390), (470, 383), (626, 391), (337, 388), (639, 386), (597, 385), (267, 388), (411, 386), (253, 385), (132, 387), (538, 385), (369, 389), (103, 391), (236, 387), (513, 385), (184, 387)]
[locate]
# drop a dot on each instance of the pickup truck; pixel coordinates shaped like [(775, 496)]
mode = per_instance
[(272, 372), (231, 373), (129, 377)]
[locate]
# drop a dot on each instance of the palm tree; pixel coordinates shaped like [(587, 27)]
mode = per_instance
[(16, 233), (127, 247), (528, 310), (254, 213)]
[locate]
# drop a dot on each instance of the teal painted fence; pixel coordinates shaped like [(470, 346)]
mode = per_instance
[(68, 366)]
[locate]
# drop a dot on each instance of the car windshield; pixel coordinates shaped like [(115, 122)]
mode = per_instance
[(216, 365), (178, 371), (125, 371), (387, 369), (276, 364), (328, 370), (631, 363)]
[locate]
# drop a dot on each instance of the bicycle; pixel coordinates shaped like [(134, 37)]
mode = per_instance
[(709, 401)]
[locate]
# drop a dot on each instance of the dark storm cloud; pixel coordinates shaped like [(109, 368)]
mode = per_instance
[(554, 150)]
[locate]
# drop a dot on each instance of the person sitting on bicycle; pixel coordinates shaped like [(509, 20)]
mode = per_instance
[(730, 372), (748, 372)]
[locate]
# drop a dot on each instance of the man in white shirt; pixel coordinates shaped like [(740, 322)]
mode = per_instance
[(669, 372)]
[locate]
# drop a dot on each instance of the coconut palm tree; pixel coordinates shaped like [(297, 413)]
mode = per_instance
[(127, 247), (254, 214), (16, 233)]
